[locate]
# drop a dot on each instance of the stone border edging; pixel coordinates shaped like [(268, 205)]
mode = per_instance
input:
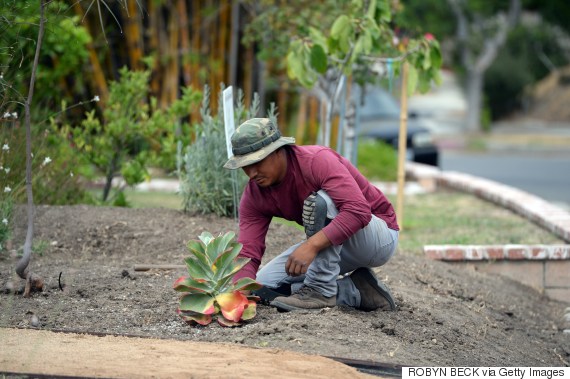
[(551, 217), (497, 252)]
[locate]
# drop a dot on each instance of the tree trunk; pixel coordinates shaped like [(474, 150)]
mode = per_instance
[(477, 65), (474, 100), (184, 28)]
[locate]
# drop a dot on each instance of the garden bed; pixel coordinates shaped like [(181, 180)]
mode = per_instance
[(447, 316)]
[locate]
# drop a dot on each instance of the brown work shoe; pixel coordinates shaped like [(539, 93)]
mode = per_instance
[(373, 293), (306, 298)]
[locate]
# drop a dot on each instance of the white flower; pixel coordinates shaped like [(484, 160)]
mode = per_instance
[(7, 189), (15, 115), (5, 147), (1, 75), (71, 174), (96, 98), (7, 115), (5, 221), (46, 161), (7, 170)]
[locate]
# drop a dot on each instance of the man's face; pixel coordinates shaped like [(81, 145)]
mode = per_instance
[(267, 172)]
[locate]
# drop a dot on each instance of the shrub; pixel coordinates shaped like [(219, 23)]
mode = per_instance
[(129, 137), (377, 160), (205, 186), (209, 290)]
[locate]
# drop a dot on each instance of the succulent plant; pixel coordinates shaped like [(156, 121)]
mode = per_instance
[(209, 291)]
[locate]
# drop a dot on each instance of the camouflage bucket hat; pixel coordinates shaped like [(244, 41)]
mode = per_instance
[(254, 140)]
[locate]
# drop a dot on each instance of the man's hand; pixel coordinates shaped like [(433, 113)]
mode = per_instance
[(299, 260)]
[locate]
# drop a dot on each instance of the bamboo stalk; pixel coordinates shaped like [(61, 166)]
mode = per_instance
[(153, 46), (402, 141), (174, 62), (133, 34), (248, 76), (196, 45), (98, 80), (184, 28), (222, 42)]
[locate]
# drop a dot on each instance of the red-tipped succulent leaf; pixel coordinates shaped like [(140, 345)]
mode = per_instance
[(232, 305)]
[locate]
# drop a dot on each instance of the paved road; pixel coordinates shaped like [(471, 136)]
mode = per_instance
[(543, 174)]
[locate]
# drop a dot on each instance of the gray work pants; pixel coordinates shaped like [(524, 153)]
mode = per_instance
[(371, 246)]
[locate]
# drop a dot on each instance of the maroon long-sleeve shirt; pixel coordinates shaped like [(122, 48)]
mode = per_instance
[(309, 169)]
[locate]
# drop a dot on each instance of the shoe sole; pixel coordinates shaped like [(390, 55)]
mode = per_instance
[(380, 287), (267, 294), (282, 307)]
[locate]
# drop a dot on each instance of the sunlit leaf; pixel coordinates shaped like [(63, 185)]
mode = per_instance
[(318, 58), (412, 79), (232, 305), (249, 311), (246, 284)]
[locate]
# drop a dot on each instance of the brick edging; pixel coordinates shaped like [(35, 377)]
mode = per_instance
[(497, 252), (552, 218)]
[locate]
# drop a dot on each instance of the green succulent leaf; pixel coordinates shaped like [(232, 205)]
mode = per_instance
[(249, 311), (206, 238), (185, 284), (237, 265), (199, 303), (197, 249), (226, 240), (194, 318), (197, 270), (225, 322), (226, 261), (246, 284)]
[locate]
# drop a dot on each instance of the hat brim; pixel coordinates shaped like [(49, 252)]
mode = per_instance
[(238, 161)]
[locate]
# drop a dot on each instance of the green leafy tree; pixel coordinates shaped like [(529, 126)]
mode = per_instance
[(209, 291), (346, 39), (61, 58), (129, 136)]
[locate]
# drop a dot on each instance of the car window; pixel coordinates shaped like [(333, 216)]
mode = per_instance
[(378, 103)]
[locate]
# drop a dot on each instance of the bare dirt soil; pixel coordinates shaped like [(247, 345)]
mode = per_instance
[(447, 316)]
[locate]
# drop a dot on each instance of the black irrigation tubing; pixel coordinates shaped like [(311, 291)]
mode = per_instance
[(382, 369)]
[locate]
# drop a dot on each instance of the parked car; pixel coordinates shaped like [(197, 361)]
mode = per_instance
[(380, 119)]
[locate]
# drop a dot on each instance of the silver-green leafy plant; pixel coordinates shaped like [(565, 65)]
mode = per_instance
[(205, 186), (209, 292)]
